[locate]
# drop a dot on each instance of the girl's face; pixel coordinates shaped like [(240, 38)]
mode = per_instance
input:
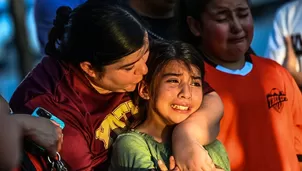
[(178, 92), (226, 29)]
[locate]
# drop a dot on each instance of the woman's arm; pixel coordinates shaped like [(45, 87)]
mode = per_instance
[(205, 122), (10, 138), (202, 127)]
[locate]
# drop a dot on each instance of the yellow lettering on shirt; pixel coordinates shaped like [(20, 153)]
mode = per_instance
[(112, 122)]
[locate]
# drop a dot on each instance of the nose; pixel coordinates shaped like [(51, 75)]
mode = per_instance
[(142, 69), (235, 24), (185, 91)]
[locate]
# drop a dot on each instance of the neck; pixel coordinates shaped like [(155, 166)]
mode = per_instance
[(97, 87), (144, 8), (233, 65), (157, 128)]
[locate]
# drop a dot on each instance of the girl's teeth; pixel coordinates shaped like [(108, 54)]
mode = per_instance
[(178, 107)]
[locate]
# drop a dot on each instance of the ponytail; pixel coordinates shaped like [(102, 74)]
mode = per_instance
[(184, 32), (56, 34)]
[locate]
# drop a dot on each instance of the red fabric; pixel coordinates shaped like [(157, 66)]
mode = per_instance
[(206, 88), (92, 120), (261, 127), (36, 163)]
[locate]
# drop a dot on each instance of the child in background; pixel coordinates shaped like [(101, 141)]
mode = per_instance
[(168, 94), (262, 124)]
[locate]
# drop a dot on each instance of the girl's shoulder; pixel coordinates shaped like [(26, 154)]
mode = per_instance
[(267, 65), (133, 136)]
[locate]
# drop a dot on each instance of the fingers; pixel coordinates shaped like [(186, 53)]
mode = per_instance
[(219, 170), (288, 40), (162, 166), (289, 45), (55, 123), (58, 140), (176, 169), (208, 163), (172, 163)]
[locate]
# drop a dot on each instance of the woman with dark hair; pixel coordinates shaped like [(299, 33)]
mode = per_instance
[(93, 62), (261, 127)]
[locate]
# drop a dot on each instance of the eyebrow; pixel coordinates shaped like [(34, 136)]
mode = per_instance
[(196, 77), (171, 74), (242, 8), (132, 63), (222, 10), (178, 75)]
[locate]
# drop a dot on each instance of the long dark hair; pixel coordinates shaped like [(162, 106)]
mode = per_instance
[(161, 53), (99, 33)]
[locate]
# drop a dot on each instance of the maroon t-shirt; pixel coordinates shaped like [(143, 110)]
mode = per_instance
[(92, 119)]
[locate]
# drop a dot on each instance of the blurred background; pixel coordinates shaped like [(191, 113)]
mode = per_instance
[(14, 67)]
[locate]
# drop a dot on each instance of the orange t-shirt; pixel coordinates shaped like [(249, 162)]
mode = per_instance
[(261, 128)]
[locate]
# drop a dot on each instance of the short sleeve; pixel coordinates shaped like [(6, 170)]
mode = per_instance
[(218, 154), (131, 153), (206, 88)]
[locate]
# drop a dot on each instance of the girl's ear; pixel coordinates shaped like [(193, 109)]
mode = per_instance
[(143, 90), (194, 26)]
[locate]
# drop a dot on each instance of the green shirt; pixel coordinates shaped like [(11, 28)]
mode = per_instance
[(135, 151)]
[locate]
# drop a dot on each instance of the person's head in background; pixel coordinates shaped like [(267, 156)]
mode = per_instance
[(104, 41), (172, 89), (222, 29), (154, 8)]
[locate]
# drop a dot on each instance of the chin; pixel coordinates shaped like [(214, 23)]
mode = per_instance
[(130, 89), (179, 120)]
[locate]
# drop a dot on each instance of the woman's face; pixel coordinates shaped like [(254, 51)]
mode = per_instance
[(226, 29), (124, 75), (178, 92)]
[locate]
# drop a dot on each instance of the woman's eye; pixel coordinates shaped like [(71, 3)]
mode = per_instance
[(129, 68)]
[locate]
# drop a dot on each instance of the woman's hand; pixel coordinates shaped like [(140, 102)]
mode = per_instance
[(193, 157), (41, 131), (187, 151), (172, 166)]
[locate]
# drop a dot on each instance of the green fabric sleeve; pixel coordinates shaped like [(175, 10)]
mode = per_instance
[(131, 153), (218, 154)]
